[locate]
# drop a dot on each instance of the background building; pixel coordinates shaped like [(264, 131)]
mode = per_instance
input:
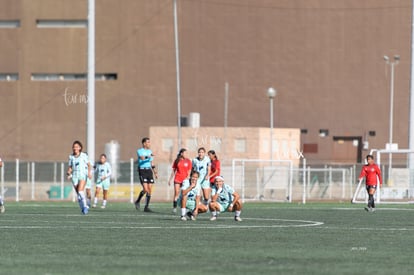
[(325, 58)]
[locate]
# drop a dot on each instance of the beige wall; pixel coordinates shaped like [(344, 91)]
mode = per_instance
[(228, 143), (323, 57)]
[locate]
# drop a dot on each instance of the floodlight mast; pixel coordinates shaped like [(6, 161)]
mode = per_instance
[(91, 81)]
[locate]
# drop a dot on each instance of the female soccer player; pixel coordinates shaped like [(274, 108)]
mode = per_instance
[(79, 169), (103, 169), (190, 198), (201, 164), (224, 199), (215, 169), (372, 174), (181, 171)]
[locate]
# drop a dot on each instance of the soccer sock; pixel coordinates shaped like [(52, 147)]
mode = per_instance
[(82, 202), (1, 201), (104, 202), (183, 211), (214, 213), (95, 201), (147, 201), (370, 199), (141, 194), (237, 213), (175, 204)]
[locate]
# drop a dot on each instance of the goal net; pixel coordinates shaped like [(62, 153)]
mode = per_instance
[(397, 170), (257, 179)]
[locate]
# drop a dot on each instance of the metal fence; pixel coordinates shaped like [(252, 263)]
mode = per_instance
[(255, 180)]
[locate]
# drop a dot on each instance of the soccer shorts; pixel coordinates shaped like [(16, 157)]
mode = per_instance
[(205, 184), (145, 175), (103, 184)]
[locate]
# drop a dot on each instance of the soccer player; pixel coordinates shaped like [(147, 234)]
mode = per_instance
[(372, 174), (88, 186), (79, 169), (190, 198), (215, 167), (181, 171), (2, 208), (147, 172), (201, 164), (103, 169), (224, 199)]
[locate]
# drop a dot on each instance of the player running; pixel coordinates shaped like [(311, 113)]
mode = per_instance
[(190, 198), (181, 170), (104, 171), (79, 169), (372, 174), (224, 199), (201, 164)]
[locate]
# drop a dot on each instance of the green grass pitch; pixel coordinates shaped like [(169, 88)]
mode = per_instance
[(54, 238)]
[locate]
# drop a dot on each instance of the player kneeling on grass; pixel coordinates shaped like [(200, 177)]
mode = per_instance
[(190, 198), (224, 199)]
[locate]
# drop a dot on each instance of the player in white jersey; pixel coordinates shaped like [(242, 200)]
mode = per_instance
[(78, 171), (189, 198), (103, 170), (88, 186), (2, 208), (224, 199), (201, 164)]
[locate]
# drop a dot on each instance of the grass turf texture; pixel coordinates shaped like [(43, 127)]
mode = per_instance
[(54, 238)]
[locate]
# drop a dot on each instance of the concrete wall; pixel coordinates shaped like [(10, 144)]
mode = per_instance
[(325, 58)]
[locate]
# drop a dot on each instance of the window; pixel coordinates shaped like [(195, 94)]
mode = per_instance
[(62, 23), (191, 144), (72, 77), (167, 144), (9, 24), (9, 77), (240, 145), (215, 143)]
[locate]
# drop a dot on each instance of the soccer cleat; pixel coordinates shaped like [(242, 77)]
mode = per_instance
[(94, 205), (237, 219), (372, 210), (213, 218), (368, 209), (2, 209), (174, 210), (146, 209), (103, 206), (193, 218), (137, 206), (183, 218)]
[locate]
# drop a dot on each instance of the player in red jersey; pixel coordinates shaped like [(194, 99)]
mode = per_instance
[(215, 167), (181, 171), (372, 174)]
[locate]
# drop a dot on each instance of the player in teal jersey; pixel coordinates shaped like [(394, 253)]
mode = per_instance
[(79, 169), (103, 170), (147, 172), (2, 208), (224, 199), (189, 198), (201, 164)]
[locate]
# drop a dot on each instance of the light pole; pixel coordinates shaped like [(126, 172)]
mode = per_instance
[(271, 93), (392, 65)]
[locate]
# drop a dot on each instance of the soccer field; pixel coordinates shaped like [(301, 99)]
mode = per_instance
[(54, 238)]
